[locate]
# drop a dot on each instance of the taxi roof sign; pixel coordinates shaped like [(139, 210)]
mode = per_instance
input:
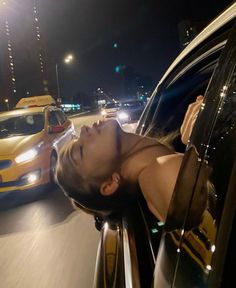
[(35, 101)]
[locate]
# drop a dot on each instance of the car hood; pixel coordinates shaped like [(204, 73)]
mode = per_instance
[(18, 144)]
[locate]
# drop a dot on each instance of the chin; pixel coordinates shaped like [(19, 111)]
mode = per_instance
[(113, 123)]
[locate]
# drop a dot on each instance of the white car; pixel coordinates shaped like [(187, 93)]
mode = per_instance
[(110, 109)]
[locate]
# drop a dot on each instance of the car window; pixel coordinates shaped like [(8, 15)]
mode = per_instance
[(131, 104), (61, 117), (112, 105), (189, 79), (11, 126), (52, 118), (175, 99)]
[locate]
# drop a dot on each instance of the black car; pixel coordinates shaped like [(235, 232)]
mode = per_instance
[(195, 247)]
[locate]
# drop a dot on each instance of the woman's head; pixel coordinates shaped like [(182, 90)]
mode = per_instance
[(88, 169)]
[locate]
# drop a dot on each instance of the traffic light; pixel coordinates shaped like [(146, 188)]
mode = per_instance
[(119, 68)]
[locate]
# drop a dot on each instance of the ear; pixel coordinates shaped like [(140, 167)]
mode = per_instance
[(110, 186)]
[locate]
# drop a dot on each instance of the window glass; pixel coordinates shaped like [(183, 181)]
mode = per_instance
[(11, 126), (176, 98), (176, 92), (61, 117), (52, 118), (112, 105)]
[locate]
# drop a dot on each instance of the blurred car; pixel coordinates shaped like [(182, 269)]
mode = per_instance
[(130, 111), (30, 139), (110, 109), (195, 247)]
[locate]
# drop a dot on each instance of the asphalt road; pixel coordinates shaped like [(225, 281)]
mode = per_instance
[(44, 242)]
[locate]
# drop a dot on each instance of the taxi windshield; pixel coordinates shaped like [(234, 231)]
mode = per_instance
[(19, 125)]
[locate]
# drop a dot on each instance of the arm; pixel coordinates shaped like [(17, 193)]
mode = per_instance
[(189, 119)]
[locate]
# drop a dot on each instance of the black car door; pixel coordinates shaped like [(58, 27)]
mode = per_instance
[(197, 243)]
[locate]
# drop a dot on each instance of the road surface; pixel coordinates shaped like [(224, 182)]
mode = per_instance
[(44, 242)]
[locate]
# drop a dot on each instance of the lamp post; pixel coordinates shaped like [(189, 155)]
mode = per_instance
[(67, 60), (58, 86), (7, 103)]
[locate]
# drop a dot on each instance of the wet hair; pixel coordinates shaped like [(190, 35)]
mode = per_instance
[(86, 193)]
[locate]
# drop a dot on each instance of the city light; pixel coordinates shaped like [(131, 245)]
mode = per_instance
[(69, 58), (7, 103)]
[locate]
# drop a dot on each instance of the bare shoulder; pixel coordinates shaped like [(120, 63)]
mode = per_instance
[(169, 160)]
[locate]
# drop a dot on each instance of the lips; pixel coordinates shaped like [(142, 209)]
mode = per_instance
[(96, 127), (100, 123)]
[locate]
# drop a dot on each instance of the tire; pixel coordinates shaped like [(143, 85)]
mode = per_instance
[(53, 162)]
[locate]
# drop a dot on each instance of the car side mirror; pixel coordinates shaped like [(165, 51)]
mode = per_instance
[(56, 129)]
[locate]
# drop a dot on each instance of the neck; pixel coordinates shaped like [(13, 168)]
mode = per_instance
[(139, 152)]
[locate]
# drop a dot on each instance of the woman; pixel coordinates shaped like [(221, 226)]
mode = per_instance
[(103, 170)]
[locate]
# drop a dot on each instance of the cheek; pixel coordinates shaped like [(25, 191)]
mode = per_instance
[(99, 161), (102, 146)]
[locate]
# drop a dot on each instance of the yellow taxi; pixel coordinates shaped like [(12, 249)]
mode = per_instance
[(30, 138)]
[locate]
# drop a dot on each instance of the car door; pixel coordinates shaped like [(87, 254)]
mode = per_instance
[(56, 139), (197, 243), (69, 132)]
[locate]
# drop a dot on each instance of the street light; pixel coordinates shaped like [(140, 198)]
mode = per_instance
[(67, 60), (7, 103)]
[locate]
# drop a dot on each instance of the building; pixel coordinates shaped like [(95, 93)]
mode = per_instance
[(23, 61)]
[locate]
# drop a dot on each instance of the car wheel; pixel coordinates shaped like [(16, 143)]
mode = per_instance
[(53, 162)]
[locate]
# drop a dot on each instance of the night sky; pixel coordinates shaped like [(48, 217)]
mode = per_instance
[(145, 31)]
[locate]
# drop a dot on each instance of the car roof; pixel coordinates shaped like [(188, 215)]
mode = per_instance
[(23, 111), (216, 24), (43, 100)]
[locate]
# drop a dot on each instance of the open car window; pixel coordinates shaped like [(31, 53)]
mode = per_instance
[(165, 112)]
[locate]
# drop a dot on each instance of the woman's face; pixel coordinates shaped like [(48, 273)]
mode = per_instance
[(97, 148)]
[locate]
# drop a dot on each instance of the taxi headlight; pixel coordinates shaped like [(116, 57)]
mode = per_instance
[(28, 155), (103, 112), (31, 177), (123, 116)]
